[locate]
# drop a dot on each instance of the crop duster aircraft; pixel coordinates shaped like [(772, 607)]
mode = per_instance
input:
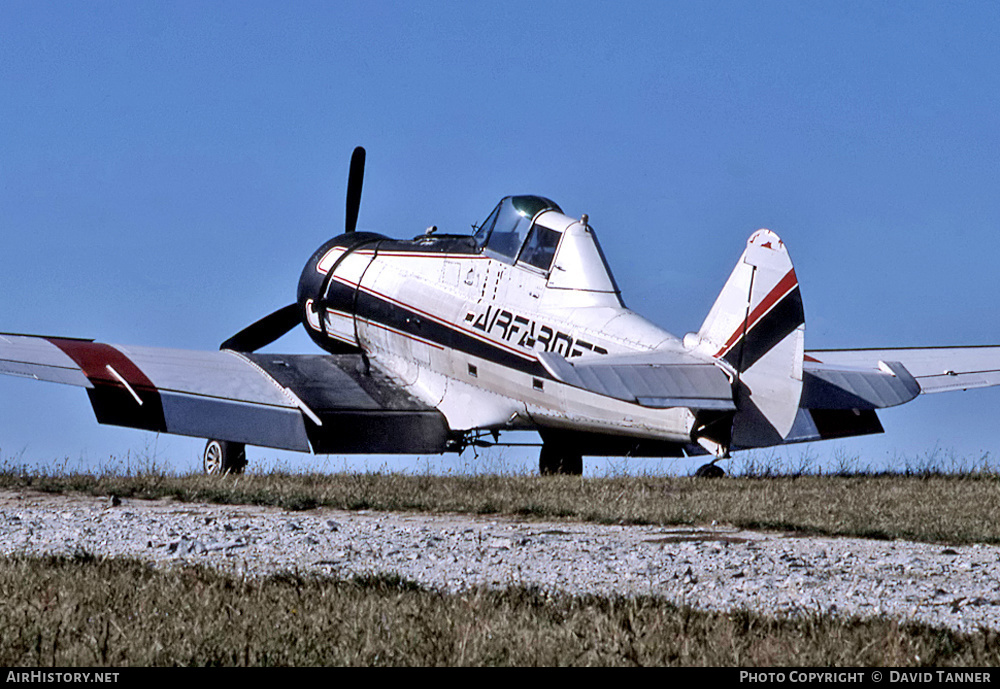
[(442, 341)]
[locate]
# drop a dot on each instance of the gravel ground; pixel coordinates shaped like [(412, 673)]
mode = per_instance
[(715, 568)]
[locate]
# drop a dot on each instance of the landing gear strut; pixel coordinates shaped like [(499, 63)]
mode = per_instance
[(559, 459), (720, 450), (224, 457)]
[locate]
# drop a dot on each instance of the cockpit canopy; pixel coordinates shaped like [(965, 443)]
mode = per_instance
[(534, 234), (510, 234)]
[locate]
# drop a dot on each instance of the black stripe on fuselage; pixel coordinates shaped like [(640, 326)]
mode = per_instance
[(380, 311)]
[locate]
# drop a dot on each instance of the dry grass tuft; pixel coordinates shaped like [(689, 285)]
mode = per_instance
[(932, 507), (82, 611)]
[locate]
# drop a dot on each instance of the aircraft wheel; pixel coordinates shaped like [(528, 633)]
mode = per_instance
[(559, 460), (224, 457), (710, 471)]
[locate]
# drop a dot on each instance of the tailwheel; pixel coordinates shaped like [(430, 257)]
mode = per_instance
[(224, 457), (710, 471), (559, 459), (719, 448)]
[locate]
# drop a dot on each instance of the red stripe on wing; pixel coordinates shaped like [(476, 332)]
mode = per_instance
[(95, 357)]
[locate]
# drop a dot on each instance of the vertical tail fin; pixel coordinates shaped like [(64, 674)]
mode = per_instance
[(757, 326)]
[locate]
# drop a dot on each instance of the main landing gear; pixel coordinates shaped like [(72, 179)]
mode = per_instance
[(224, 457), (559, 459)]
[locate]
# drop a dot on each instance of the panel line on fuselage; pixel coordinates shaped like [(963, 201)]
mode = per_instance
[(408, 308), (384, 311)]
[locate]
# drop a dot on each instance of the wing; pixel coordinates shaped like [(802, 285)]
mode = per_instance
[(936, 369), (323, 403)]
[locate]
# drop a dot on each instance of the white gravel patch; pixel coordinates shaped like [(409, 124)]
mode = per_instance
[(710, 568)]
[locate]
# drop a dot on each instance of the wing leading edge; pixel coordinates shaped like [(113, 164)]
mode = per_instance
[(323, 403)]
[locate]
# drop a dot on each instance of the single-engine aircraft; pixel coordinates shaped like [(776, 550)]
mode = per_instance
[(443, 341)]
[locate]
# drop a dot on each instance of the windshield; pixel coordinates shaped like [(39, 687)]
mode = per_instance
[(503, 232)]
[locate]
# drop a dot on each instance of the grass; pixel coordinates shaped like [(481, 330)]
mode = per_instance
[(83, 611), (926, 506), (87, 611)]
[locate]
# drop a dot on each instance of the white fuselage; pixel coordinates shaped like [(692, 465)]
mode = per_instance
[(462, 331)]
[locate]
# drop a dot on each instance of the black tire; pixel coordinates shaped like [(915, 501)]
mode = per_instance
[(224, 457), (710, 471), (556, 460)]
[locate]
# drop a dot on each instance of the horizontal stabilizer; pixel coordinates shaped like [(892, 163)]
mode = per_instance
[(843, 388), (689, 383), (936, 369)]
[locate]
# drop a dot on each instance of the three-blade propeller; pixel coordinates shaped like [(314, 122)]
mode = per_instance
[(274, 325)]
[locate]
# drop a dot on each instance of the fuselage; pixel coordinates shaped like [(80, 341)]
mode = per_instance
[(460, 321)]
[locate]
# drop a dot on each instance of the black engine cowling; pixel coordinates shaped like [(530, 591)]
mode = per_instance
[(314, 292)]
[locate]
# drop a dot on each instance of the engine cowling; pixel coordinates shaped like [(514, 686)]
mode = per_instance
[(314, 283)]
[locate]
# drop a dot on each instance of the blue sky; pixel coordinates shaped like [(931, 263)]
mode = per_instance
[(167, 168)]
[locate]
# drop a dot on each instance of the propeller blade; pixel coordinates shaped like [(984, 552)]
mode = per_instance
[(355, 179), (265, 331)]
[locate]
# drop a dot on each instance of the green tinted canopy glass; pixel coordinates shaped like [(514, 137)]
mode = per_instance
[(530, 206), (504, 231)]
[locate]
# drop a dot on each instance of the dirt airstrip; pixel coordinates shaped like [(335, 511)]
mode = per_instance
[(714, 567)]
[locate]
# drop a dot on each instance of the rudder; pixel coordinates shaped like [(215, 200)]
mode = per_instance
[(757, 327)]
